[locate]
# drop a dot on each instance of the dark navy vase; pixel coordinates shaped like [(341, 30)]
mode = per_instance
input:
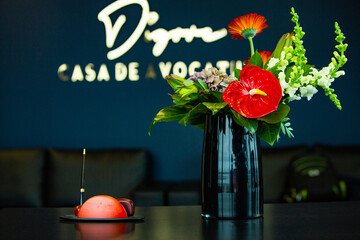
[(232, 186)]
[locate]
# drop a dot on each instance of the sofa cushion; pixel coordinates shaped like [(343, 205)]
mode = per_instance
[(346, 159), (116, 173), (152, 194), (185, 193), (275, 162), (312, 178), (21, 173)]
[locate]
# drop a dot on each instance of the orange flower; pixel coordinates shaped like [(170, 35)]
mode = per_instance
[(265, 55), (247, 26)]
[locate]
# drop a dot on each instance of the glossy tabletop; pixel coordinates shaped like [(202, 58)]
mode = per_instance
[(336, 220)]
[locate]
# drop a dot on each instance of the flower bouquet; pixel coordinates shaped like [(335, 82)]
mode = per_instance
[(258, 94)]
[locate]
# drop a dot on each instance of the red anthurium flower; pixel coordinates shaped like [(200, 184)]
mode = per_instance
[(257, 94), (265, 55), (247, 26)]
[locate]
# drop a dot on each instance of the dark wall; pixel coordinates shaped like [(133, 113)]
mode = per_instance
[(40, 110)]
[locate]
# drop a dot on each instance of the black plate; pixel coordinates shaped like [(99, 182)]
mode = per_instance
[(75, 218)]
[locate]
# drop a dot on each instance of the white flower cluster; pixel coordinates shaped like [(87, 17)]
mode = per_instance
[(281, 63), (298, 90), (324, 77), (303, 86)]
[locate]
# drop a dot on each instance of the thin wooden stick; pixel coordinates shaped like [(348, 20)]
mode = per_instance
[(82, 187)]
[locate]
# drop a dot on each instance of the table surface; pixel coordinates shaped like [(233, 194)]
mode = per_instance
[(333, 220)]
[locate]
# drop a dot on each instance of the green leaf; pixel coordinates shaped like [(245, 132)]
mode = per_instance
[(217, 95), (215, 107), (278, 115), (185, 91), (195, 116), (175, 81), (237, 73), (268, 132), (178, 100), (200, 126), (288, 71), (188, 83), (256, 60), (171, 113), (286, 128), (200, 84), (307, 69), (285, 40), (250, 124), (279, 47)]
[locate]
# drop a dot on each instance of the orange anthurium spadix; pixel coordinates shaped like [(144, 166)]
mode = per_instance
[(256, 94)]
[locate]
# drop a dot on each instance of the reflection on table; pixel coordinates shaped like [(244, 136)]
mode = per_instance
[(333, 220)]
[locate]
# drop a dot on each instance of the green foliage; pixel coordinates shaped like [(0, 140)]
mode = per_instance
[(333, 97), (268, 132), (307, 69), (299, 51), (285, 41), (278, 115), (172, 113), (174, 81), (194, 100), (200, 84), (286, 128), (196, 116), (237, 73), (256, 60), (215, 107), (250, 124), (297, 68), (338, 61), (217, 96)]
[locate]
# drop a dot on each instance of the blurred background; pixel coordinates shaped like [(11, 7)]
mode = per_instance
[(60, 89)]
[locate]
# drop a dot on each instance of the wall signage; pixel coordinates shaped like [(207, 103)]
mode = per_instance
[(160, 37)]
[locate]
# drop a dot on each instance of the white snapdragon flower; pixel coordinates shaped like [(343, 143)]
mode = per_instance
[(291, 91), (314, 72), (308, 91), (287, 89), (295, 97), (283, 65), (281, 76), (339, 73), (325, 71), (282, 55), (272, 62), (305, 80), (322, 73), (331, 66), (323, 76), (284, 85), (325, 81)]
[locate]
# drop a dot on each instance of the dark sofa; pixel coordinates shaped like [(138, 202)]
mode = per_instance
[(345, 159), (51, 178)]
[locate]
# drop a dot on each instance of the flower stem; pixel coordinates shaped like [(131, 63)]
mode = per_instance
[(251, 46)]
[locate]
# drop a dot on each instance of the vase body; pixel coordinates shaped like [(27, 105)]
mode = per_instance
[(231, 181)]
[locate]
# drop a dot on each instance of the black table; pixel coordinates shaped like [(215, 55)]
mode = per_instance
[(336, 220)]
